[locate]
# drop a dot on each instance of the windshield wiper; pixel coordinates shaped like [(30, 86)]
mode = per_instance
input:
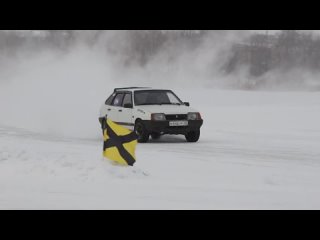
[(158, 104), (148, 104), (170, 104)]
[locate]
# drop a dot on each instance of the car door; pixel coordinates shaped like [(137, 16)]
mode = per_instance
[(116, 107), (125, 116), (106, 109)]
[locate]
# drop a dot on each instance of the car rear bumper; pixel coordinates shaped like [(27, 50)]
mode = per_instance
[(164, 128)]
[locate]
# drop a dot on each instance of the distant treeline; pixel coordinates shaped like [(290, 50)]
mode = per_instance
[(286, 50), (260, 53), (137, 45)]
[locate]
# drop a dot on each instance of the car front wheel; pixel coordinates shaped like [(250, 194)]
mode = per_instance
[(155, 136), (193, 136), (140, 130)]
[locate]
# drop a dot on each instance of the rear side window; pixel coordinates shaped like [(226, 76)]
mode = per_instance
[(117, 102), (127, 99), (110, 99)]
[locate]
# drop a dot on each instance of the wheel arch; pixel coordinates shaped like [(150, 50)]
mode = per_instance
[(137, 120)]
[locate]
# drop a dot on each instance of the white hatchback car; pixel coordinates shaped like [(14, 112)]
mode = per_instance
[(152, 112)]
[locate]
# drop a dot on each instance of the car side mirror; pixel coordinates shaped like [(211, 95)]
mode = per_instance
[(187, 104), (128, 105)]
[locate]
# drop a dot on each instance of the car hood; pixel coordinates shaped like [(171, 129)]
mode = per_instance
[(167, 109)]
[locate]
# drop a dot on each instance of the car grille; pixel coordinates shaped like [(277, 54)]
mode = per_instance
[(171, 117)]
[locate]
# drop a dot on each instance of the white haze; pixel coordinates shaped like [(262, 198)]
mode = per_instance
[(60, 93)]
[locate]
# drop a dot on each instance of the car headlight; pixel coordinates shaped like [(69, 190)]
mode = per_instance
[(194, 116), (158, 117)]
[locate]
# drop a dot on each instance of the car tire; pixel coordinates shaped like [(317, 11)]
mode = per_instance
[(142, 133), (155, 136), (193, 136)]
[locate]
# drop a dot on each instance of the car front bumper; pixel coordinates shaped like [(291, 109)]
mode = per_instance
[(164, 128)]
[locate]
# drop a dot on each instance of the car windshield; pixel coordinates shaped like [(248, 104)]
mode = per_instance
[(156, 97)]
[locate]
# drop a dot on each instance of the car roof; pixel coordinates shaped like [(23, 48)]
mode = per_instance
[(129, 89), (132, 89)]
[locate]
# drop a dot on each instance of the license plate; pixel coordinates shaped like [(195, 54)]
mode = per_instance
[(178, 123)]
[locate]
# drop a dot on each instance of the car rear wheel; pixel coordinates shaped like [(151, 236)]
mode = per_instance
[(193, 136), (142, 133)]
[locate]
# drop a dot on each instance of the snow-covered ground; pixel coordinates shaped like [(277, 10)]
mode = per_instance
[(258, 150)]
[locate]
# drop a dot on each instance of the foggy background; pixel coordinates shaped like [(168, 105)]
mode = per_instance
[(55, 81)]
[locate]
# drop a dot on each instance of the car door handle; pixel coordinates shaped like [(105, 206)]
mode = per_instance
[(120, 110), (109, 109)]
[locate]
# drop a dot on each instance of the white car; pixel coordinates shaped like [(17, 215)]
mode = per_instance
[(152, 112)]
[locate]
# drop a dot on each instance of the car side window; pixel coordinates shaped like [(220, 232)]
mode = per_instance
[(127, 99), (110, 99), (117, 102)]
